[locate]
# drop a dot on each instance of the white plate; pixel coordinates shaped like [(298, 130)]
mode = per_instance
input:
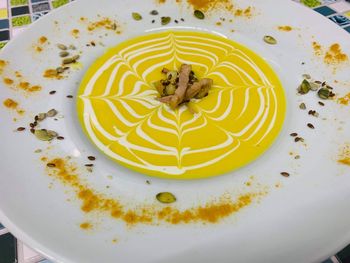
[(305, 219)]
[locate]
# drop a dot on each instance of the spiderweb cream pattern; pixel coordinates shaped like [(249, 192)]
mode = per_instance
[(125, 121)]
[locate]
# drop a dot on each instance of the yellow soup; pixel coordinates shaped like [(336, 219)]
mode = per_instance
[(232, 126)]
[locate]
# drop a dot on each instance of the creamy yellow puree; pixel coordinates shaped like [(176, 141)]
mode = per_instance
[(231, 127)]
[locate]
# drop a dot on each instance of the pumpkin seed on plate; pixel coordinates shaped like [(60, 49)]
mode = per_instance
[(136, 16), (270, 40), (314, 86), (44, 135), (70, 60), (166, 198), (198, 14), (154, 12), (41, 116), (304, 87), (324, 93), (63, 54), (165, 20), (62, 47), (302, 106), (51, 113)]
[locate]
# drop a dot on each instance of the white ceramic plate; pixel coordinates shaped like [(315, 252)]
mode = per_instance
[(303, 218)]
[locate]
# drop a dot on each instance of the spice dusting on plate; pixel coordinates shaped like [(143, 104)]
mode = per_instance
[(10, 103), (52, 74), (42, 40), (3, 63), (22, 84), (344, 157), (317, 48), (211, 212), (40, 43), (334, 55), (75, 33), (26, 86), (86, 226), (8, 81), (244, 12), (285, 28), (105, 23), (344, 100), (205, 5), (13, 105)]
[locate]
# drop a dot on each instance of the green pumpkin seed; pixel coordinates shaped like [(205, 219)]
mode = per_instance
[(314, 86), (324, 93), (68, 61), (170, 90), (136, 16), (172, 75), (62, 47), (165, 20), (41, 116), (154, 12), (270, 40), (166, 198), (304, 87), (198, 14), (302, 106), (43, 135), (63, 54), (52, 133), (51, 113)]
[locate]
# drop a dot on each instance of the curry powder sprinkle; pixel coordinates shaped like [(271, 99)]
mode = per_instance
[(285, 28), (10, 103), (8, 81), (344, 157), (86, 226), (92, 201), (334, 55)]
